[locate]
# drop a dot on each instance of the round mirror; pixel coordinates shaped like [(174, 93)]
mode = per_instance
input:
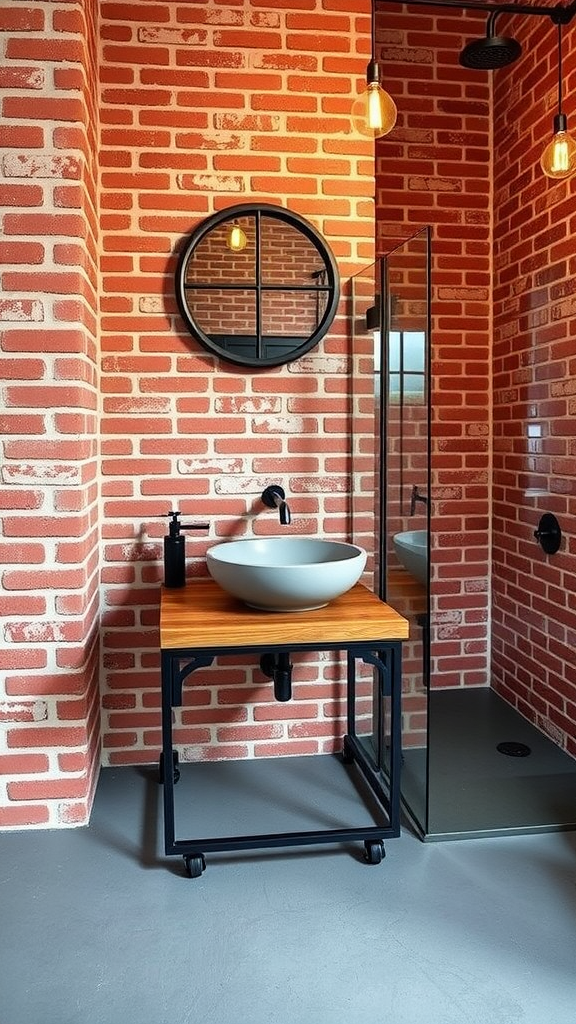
[(257, 285)]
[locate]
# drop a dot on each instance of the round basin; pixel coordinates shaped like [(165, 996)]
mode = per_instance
[(286, 574), (411, 548)]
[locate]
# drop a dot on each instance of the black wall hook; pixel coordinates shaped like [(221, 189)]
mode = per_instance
[(549, 534)]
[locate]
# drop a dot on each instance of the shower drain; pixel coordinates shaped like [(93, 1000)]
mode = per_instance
[(513, 749)]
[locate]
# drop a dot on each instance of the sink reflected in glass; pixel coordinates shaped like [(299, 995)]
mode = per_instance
[(286, 574), (411, 548)]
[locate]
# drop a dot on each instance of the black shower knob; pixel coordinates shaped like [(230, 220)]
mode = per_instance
[(549, 534)]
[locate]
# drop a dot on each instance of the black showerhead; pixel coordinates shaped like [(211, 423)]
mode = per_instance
[(490, 53)]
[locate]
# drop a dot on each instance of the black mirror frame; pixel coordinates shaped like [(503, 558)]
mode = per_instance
[(332, 286)]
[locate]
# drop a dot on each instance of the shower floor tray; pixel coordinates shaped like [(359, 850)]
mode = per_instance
[(474, 790)]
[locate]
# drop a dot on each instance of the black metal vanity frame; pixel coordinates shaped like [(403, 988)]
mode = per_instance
[(383, 782)]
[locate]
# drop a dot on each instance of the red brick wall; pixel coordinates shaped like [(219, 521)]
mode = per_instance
[(534, 351), (204, 107), (49, 602), (435, 169)]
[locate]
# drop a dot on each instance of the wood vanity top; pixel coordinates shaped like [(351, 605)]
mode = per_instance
[(201, 614)]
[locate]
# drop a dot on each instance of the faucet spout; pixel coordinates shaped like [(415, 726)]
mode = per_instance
[(275, 497), (285, 515)]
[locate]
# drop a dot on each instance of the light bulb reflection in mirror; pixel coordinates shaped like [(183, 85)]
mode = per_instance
[(236, 239)]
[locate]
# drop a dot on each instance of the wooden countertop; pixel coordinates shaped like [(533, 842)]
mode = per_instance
[(201, 614)]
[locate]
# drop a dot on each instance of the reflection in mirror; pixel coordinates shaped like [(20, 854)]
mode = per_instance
[(213, 261), (287, 256), (290, 314), (266, 303), (220, 313), (407, 369), (236, 238)]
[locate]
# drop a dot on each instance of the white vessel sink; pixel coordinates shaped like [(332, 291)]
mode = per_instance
[(411, 547), (286, 574)]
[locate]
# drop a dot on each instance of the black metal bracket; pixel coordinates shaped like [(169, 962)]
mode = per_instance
[(375, 658), (549, 534), (562, 13), (180, 674)]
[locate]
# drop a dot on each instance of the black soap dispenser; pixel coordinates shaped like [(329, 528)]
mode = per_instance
[(175, 550), (174, 554)]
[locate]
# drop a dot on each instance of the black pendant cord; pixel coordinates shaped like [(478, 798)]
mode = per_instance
[(373, 71), (560, 67)]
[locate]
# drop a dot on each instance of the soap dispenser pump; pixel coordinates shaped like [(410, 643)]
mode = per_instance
[(175, 550)]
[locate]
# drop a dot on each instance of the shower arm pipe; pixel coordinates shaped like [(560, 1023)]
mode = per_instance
[(491, 23), (560, 14)]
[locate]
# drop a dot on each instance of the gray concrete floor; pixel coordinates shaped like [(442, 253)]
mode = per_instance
[(99, 927)]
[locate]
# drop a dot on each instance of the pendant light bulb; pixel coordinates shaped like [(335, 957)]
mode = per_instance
[(236, 238), (559, 157), (374, 113)]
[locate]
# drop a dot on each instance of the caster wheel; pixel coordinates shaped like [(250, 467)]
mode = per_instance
[(374, 851), (175, 768), (194, 865)]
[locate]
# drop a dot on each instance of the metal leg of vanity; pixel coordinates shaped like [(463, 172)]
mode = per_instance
[(380, 770)]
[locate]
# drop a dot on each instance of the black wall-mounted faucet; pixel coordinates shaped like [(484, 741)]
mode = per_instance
[(416, 496), (275, 497)]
